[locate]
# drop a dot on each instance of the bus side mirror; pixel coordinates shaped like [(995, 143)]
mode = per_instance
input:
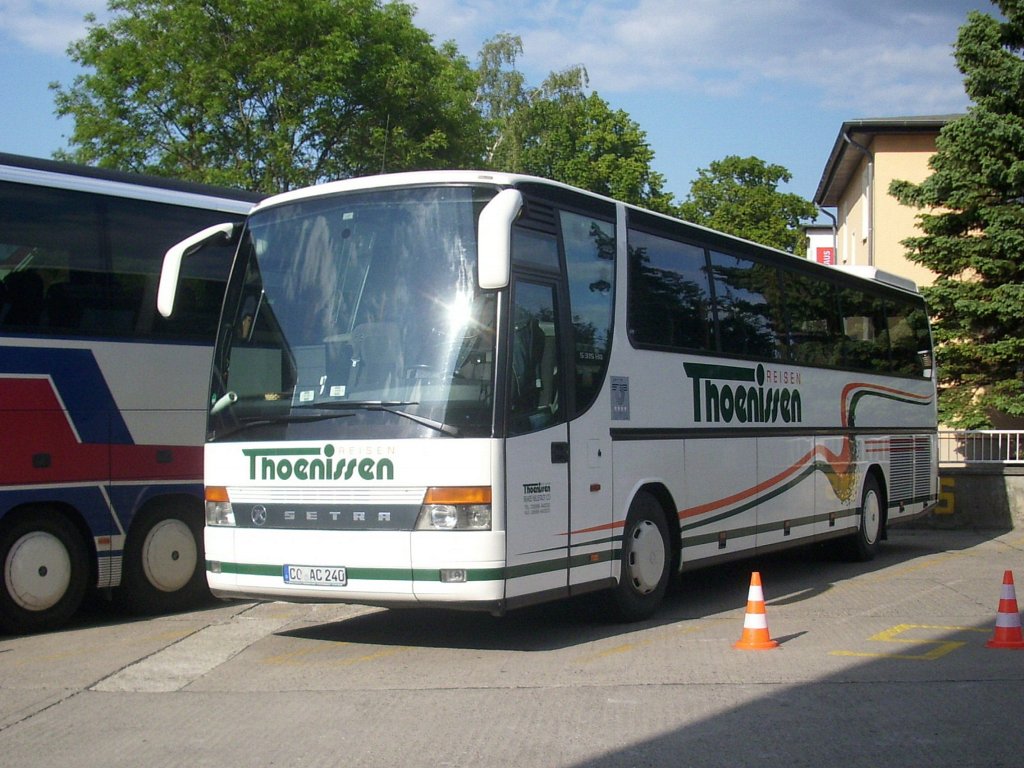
[(494, 249), (171, 269)]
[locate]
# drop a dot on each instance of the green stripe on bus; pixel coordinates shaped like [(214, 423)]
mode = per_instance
[(754, 500), (364, 574), (776, 525)]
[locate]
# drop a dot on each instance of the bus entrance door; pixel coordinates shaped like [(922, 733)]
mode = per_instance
[(537, 448)]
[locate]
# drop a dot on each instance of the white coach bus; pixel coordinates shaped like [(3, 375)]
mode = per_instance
[(482, 391)]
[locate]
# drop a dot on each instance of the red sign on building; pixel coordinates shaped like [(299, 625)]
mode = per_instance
[(826, 255)]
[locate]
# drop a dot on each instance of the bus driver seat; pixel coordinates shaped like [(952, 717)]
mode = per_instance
[(377, 356)]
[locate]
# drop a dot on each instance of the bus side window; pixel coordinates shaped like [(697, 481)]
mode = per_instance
[(867, 336), (908, 336), (669, 293), (745, 293), (533, 396), (589, 246), (812, 310)]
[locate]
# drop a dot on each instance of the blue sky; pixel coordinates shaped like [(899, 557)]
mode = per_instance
[(703, 78)]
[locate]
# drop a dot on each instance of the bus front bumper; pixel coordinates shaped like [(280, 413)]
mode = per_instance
[(390, 569)]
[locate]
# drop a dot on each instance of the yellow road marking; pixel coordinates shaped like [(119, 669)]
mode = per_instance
[(627, 647), (89, 648), (301, 655), (891, 635)]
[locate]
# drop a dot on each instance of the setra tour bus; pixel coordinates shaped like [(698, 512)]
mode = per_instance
[(480, 391), (102, 399)]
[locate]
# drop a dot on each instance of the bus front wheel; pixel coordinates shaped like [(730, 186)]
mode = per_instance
[(45, 572), (164, 563), (645, 561)]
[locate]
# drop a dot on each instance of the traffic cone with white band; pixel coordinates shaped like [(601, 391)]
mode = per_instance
[(1008, 631), (755, 635)]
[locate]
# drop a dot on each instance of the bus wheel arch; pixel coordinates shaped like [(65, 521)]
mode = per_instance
[(647, 556), (46, 568), (164, 562)]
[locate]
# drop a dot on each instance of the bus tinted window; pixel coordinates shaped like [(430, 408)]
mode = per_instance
[(88, 265), (534, 382), (49, 244), (590, 261), (746, 293), (909, 339), (139, 234), (767, 311), (669, 296), (534, 248), (815, 324), (866, 343)]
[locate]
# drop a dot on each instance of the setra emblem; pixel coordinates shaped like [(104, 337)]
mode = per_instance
[(259, 514)]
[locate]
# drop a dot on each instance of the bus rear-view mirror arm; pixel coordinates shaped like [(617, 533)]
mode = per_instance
[(495, 238), (176, 253)]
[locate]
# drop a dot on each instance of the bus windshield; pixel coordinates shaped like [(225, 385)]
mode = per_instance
[(363, 305)]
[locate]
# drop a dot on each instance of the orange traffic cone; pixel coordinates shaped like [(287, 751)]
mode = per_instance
[(1008, 632), (755, 635)]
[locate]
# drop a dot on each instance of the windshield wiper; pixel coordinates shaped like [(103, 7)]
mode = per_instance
[(389, 406)]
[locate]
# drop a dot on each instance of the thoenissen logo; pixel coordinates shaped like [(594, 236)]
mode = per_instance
[(315, 464), (725, 394)]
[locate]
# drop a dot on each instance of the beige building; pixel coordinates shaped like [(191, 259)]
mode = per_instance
[(870, 223)]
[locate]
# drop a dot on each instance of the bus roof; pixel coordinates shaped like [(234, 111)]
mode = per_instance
[(61, 175), (411, 178), (873, 273)]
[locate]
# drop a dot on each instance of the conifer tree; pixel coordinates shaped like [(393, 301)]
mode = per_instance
[(972, 222)]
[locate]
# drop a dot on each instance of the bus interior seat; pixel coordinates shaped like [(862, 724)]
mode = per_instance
[(534, 374), (377, 354), (527, 349), (63, 307), (23, 298), (548, 373)]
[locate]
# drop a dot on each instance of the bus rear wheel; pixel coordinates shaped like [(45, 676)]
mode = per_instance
[(864, 544), (45, 572), (164, 562), (645, 561)]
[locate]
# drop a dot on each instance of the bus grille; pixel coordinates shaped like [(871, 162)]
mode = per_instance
[(910, 463), (257, 494)]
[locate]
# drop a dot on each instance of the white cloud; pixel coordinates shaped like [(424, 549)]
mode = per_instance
[(46, 26), (874, 58), (467, 23), (871, 58)]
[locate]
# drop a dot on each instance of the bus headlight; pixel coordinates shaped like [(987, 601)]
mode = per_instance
[(455, 509), (444, 517), (218, 507)]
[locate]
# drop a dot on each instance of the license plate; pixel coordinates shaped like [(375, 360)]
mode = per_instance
[(315, 575)]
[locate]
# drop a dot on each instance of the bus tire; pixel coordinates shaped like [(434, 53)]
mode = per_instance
[(863, 545), (164, 562), (645, 561), (45, 572)]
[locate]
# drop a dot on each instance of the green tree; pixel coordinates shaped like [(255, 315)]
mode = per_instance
[(268, 94), (740, 196), (502, 99), (559, 131), (973, 227)]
